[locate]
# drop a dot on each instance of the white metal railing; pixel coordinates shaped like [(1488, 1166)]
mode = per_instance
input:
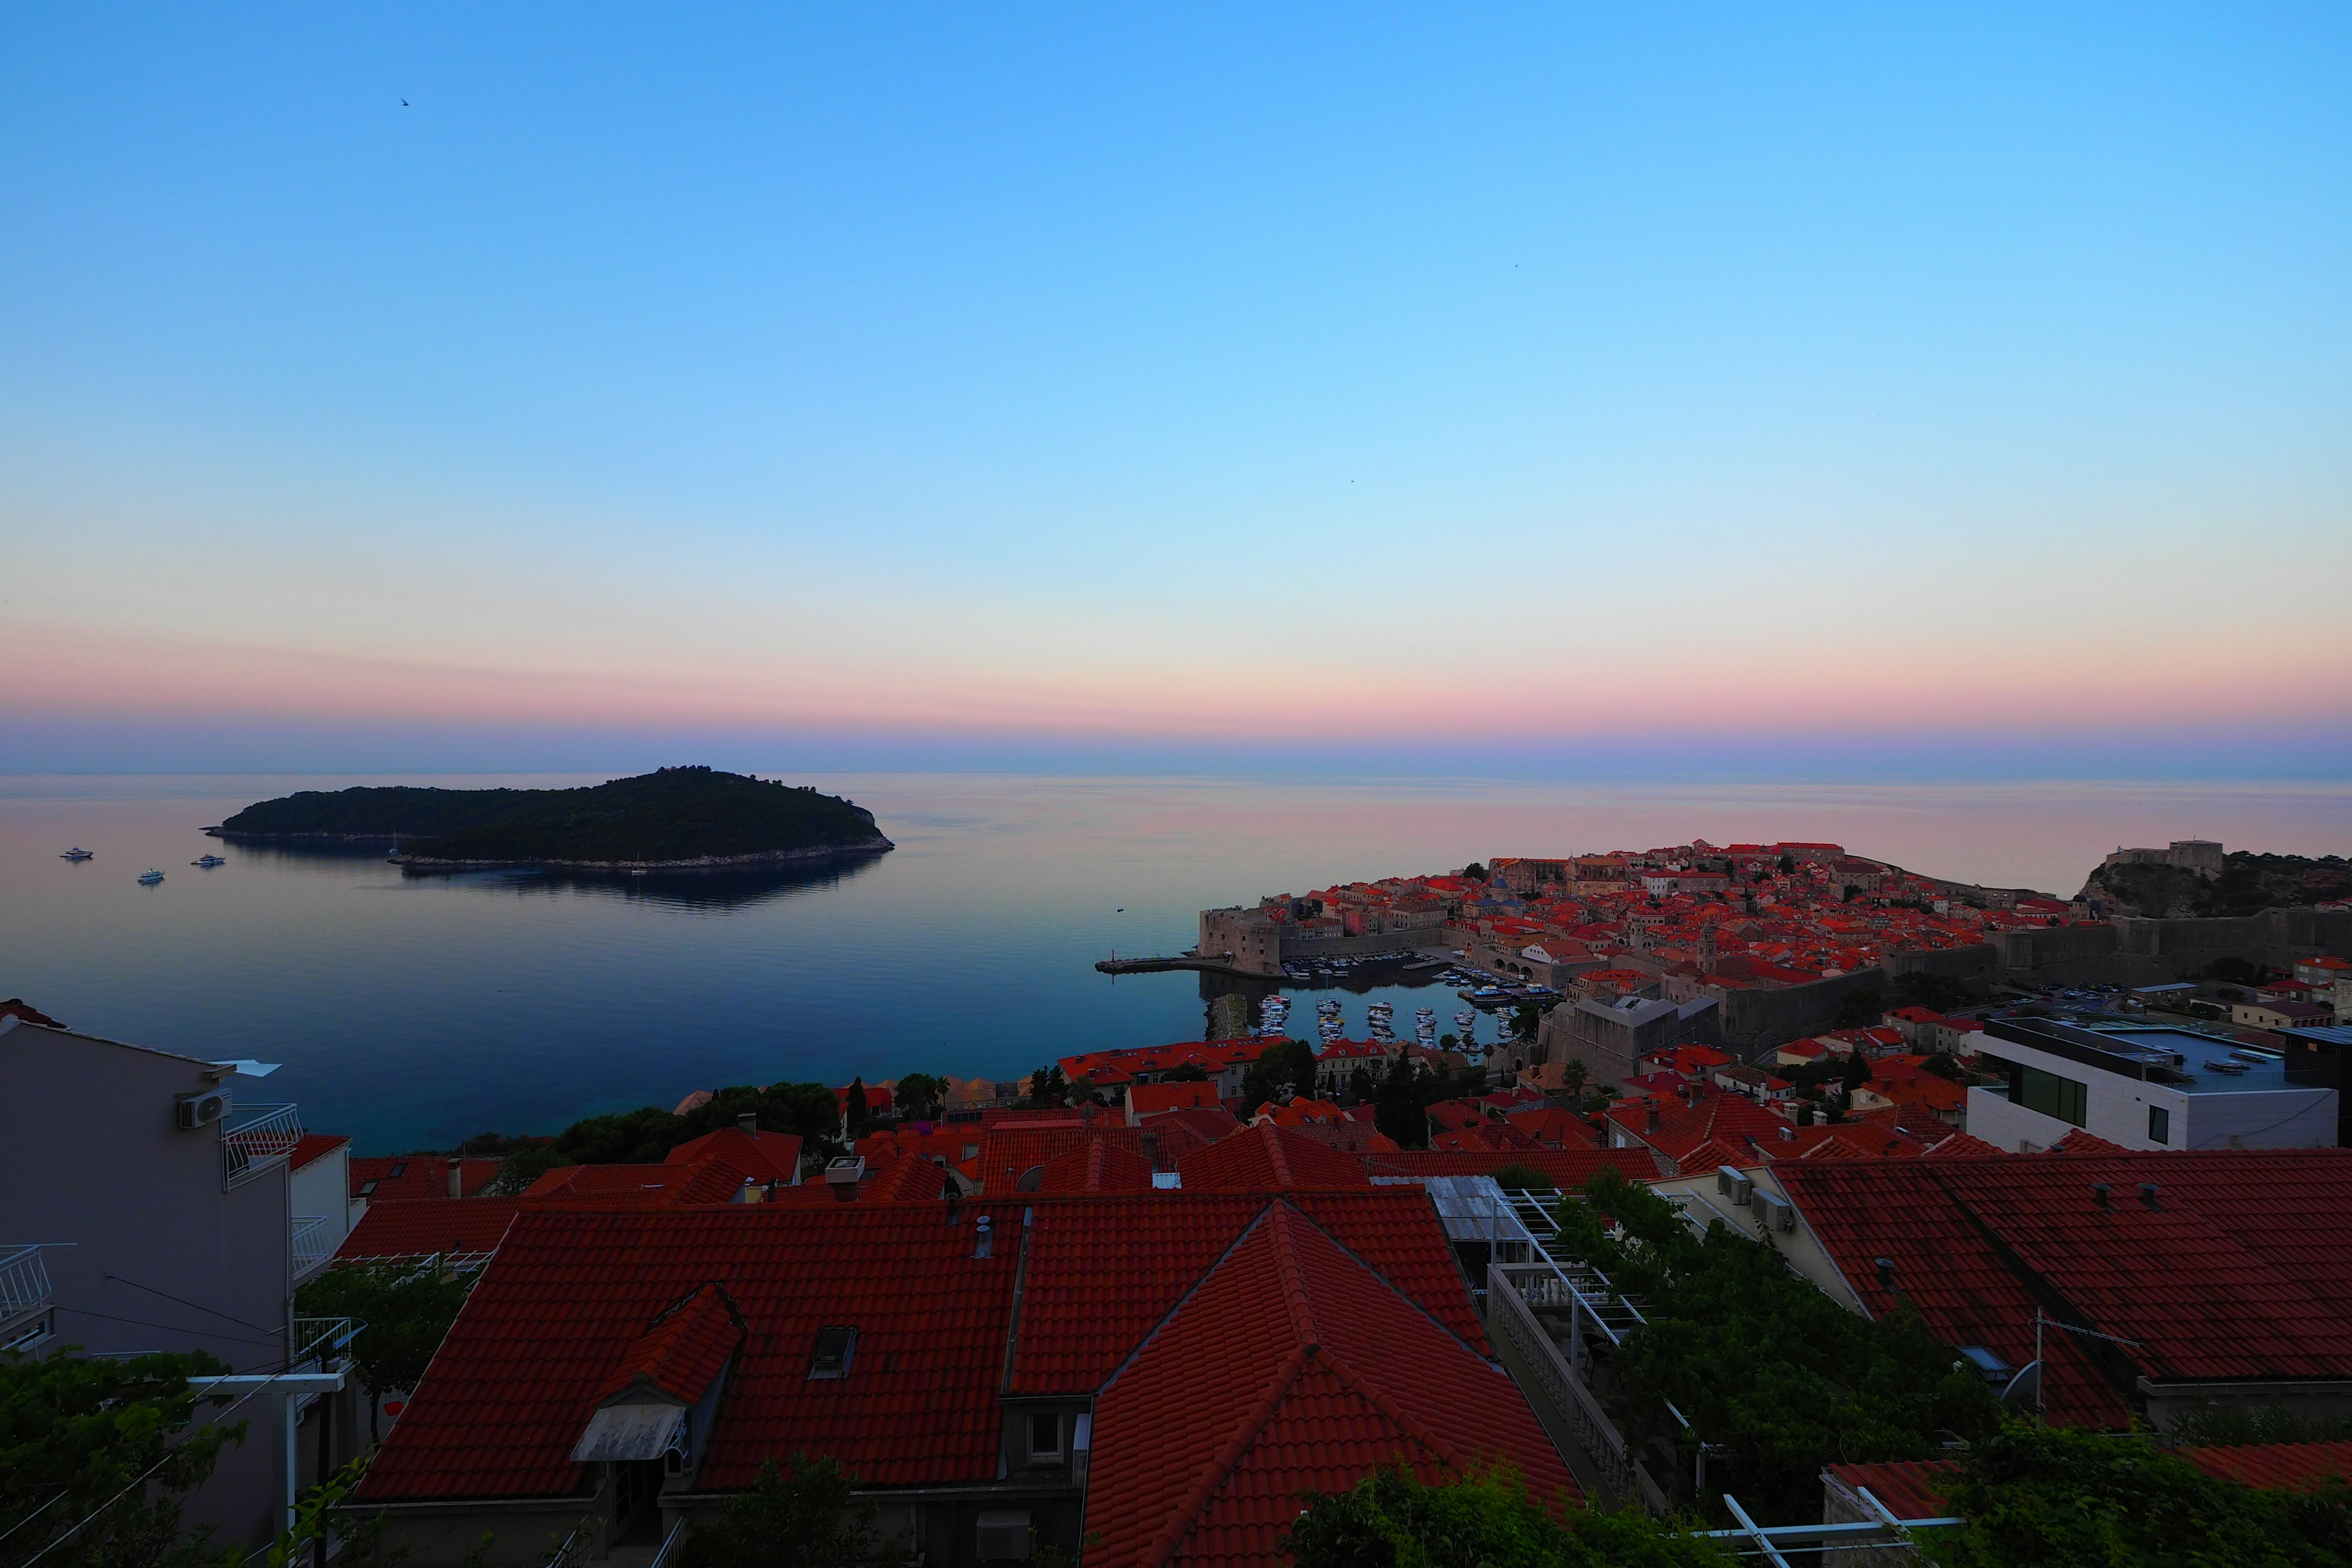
[(313, 1243), (669, 1546), (24, 1280), (322, 1338), (262, 1136), (1886, 1539)]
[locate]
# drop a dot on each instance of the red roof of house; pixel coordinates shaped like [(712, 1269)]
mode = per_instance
[(2237, 1272), (1567, 1169), (636, 1186), (765, 1156), (1344, 1374), (17, 1008), (1147, 1099), (2276, 1467), (1012, 1151), (1096, 1286), (1264, 1157), (902, 1179), (572, 1300), (1176, 1133), (1301, 1111), (311, 1145), (1911, 1488), (1551, 1124), (418, 1227), (417, 1176), (683, 1350), (1098, 1165)]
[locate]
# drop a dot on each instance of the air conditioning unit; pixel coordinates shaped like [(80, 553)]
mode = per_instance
[(1732, 1183), (204, 1108), (1777, 1212)]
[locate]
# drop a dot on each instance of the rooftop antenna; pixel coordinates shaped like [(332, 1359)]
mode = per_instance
[(2027, 1383)]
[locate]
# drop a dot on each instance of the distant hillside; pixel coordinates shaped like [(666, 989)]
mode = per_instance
[(677, 817), (2249, 884)]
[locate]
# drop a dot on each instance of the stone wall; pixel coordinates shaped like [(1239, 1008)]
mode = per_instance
[(2131, 951), (1973, 965), (1754, 1021)]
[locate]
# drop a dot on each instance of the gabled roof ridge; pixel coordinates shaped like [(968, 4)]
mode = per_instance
[(1191, 1291), (1406, 1296), (1213, 1475), (1273, 1151), (1293, 1281)]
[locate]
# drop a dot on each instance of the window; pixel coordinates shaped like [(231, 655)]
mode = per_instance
[(2052, 1096), (2159, 1124), (1045, 1436), (835, 1348), (399, 1169), (367, 1189)]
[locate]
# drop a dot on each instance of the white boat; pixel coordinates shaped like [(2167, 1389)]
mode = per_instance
[(151, 877), (77, 853), (209, 861)]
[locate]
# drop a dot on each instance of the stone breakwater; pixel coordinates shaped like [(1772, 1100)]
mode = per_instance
[(873, 845)]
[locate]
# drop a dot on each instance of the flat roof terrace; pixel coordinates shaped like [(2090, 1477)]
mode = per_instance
[(2210, 1064)]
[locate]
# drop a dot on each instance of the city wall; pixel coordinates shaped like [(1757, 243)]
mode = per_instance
[(2131, 951), (1415, 937)]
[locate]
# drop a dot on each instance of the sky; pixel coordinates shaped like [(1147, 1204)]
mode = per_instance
[(1704, 389)]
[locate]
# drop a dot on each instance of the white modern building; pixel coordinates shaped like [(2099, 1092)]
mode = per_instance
[(2143, 1087)]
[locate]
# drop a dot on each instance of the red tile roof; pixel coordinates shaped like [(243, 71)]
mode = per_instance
[(2276, 1467), (1098, 1165), (417, 1176), (511, 1388), (311, 1145), (1345, 1375), (2237, 1272), (1567, 1169), (635, 1186), (1012, 1150), (1145, 1098), (767, 1156), (1264, 1157), (575, 1306), (1911, 1488), (17, 1008), (1097, 1285), (682, 1350), (1176, 1133), (418, 1227)]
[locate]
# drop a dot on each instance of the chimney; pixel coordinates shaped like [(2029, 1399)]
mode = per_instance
[(2147, 1193), (1885, 1272), (750, 1124), (457, 1177), (2100, 1192), (842, 1174), (750, 1192), (1650, 1114), (985, 1246)]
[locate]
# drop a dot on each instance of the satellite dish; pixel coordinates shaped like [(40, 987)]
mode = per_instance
[(2024, 1390)]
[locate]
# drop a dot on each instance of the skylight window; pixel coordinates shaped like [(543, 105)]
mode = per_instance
[(836, 1346)]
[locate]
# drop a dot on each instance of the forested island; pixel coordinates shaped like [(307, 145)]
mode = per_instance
[(675, 818)]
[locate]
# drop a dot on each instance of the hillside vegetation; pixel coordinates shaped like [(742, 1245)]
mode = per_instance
[(675, 815)]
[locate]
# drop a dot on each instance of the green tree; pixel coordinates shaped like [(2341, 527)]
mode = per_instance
[(1777, 1379), (407, 1310), (95, 1456), (1283, 1065), (1855, 1072), (1360, 1087), (1391, 1520), (1190, 1072), (2053, 1497), (1574, 1075), (858, 1116), (920, 1097), (1399, 1108), (1048, 1089), (1474, 872), (800, 1519)]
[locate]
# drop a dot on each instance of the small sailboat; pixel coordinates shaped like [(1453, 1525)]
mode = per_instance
[(79, 853), (209, 861), (150, 877)]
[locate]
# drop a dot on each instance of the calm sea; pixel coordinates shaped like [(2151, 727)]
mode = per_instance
[(410, 1010)]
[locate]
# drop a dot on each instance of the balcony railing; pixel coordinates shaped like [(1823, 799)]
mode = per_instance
[(25, 1297), (24, 1280), (262, 1136), (313, 1243), (322, 1338)]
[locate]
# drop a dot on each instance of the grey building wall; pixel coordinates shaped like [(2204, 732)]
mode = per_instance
[(2131, 951), (1756, 1021), (160, 1257)]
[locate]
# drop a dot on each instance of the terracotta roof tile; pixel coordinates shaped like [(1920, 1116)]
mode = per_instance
[(1264, 1157)]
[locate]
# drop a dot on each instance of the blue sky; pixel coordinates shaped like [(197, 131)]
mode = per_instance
[(1184, 385)]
